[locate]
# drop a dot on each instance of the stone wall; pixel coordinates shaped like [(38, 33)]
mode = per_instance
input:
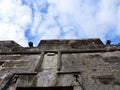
[(71, 67)]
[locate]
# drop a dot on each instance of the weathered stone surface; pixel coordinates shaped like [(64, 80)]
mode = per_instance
[(10, 46), (81, 64), (67, 44), (46, 78), (18, 63), (49, 61), (26, 81)]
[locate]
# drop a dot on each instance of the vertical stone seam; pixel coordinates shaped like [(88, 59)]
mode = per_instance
[(38, 66), (59, 61)]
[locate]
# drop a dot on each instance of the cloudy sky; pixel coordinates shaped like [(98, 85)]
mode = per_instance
[(33, 20)]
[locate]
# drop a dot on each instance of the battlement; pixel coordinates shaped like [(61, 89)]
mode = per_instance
[(58, 45), (9, 46), (69, 44)]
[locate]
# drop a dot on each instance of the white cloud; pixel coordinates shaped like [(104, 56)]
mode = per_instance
[(14, 19), (24, 20), (12, 32), (94, 18)]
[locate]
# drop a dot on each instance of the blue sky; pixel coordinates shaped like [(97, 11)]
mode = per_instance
[(33, 20)]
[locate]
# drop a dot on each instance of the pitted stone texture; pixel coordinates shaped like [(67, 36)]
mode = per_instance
[(18, 63), (77, 88), (83, 64), (69, 44), (46, 79), (9, 46), (26, 81), (50, 61)]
